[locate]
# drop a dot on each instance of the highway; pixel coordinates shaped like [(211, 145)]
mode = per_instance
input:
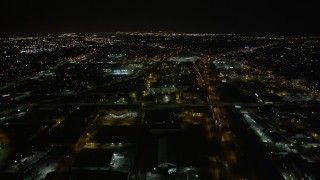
[(224, 156)]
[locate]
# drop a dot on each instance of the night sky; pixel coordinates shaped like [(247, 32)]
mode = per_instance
[(292, 18)]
